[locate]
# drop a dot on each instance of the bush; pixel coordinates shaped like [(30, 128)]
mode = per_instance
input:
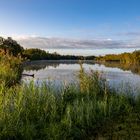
[(10, 69)]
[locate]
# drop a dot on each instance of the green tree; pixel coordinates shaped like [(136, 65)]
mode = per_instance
[(11, 46)]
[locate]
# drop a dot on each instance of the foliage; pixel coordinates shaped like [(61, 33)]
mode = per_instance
[(89, 111), (11, 46), (34, 54), (10, 69), (38, 54), (123, 58)]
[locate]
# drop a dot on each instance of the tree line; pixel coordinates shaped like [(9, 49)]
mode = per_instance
[(129, 58), (10, 46)]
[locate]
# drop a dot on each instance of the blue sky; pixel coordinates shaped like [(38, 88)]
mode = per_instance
[(71, 18)]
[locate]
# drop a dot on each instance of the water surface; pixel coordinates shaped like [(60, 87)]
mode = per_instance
[(66, 72)]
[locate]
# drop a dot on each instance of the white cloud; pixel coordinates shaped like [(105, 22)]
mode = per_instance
[(62, 43), (22, 37)]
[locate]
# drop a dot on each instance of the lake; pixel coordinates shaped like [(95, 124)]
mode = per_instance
[(65, 72)]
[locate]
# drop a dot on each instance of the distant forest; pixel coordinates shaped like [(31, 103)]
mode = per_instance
[(10, 46)]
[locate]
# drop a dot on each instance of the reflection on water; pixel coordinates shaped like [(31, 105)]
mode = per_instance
[(134, 68), (66, 72), (42, 64)]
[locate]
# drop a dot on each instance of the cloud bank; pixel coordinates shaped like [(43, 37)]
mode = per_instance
[(61, 43)]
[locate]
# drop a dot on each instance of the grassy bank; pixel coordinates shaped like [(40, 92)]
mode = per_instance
[(89, 111)]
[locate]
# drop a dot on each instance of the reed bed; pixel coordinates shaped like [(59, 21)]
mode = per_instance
[(90, 110)]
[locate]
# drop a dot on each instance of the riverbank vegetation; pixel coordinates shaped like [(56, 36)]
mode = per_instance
[(10, 69), (131, 58), (90, 110)]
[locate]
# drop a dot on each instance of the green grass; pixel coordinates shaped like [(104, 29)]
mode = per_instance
[(90, 110)]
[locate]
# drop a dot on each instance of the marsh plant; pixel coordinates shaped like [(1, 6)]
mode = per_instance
[(90, 110)]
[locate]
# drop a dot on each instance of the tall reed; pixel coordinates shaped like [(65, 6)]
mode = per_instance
[(89, 111)]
